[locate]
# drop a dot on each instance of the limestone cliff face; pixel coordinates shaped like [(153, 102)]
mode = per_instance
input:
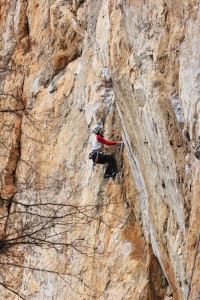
[(132, 66)]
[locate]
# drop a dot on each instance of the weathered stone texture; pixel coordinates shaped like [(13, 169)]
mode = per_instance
[(132, 66)]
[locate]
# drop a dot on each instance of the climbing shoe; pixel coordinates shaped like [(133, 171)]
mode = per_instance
[(114, 174), (107, 175)]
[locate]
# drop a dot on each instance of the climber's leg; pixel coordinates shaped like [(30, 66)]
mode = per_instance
[(111, 169)]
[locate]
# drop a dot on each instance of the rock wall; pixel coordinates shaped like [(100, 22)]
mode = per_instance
[(132, 66)]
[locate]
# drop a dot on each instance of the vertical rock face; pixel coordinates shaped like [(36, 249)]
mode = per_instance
[(132, 66)]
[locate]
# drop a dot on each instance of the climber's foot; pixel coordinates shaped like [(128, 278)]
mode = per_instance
[(107, 175)]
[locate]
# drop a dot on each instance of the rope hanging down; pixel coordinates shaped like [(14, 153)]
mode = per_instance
[(195, 257)]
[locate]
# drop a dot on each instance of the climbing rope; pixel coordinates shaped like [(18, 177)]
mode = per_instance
[(195, 257)]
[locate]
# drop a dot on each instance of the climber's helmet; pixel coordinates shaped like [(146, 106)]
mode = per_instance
[(96, 129)]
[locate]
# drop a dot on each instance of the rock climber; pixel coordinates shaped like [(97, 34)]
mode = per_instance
[(98, 156)]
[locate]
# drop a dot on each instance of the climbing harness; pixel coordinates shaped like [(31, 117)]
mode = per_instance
[(94, 155)]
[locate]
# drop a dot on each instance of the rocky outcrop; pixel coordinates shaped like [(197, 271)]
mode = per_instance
[(132, 66)]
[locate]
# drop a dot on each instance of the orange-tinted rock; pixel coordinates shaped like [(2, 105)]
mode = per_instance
[(133, 67)]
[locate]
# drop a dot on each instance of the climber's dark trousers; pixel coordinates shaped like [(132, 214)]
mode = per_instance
[(111, 168)]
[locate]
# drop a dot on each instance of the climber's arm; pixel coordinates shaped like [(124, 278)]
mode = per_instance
[(104, 141)]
